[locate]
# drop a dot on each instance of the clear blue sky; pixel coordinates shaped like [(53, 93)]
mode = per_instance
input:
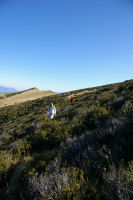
[(64, 45)]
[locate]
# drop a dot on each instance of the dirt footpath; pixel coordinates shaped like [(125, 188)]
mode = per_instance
[(80, 93)]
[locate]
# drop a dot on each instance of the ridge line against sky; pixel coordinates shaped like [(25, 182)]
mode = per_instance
[(65, 45)]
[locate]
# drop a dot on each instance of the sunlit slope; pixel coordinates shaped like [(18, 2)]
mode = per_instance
[(86, 147), (24, 96), (2, 95)]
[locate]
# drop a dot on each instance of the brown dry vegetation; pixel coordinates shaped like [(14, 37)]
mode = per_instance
[(28, 95), (80, 93), (2, 95)]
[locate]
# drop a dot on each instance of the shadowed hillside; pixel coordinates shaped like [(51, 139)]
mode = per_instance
[(84, 153), (19, 97)]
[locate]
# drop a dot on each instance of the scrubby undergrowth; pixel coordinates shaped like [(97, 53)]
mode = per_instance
[(85, 152)]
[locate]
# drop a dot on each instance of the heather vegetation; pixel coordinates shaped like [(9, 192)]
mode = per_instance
[(85, 152)]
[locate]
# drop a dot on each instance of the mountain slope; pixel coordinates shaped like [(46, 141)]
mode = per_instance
[(84, 153), (24, 96)]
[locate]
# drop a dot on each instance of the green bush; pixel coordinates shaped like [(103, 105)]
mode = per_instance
[(5, 161)]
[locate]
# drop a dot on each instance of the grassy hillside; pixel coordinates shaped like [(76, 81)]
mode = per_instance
[(85, 152), (20, 97)]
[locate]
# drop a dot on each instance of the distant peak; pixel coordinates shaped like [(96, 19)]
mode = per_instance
[(6, 90)]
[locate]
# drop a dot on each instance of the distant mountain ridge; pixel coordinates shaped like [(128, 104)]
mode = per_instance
[(8, 99), (6, 90)]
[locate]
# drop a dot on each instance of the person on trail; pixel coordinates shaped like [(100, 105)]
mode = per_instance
[(72, 99), (52, 111)]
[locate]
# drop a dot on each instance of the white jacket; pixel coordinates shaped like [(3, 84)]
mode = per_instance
[(52, 111)]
